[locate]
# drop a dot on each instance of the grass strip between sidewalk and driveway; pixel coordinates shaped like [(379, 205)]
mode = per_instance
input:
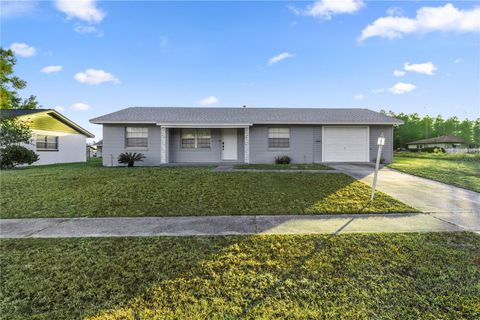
[(90, 190), (360, 276), (453, 169)]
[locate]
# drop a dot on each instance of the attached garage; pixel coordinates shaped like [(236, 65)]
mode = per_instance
[(345, 144)]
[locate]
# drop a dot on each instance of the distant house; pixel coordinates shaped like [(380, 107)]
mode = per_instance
[(245, 135), (446, 142), (55, 138), (99, 146)]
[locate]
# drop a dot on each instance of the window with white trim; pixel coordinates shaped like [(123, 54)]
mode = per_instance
[(196, 138), (47, 143), (136, 137), (279, 137)]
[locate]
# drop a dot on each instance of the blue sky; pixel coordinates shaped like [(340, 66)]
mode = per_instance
[(99, 57)]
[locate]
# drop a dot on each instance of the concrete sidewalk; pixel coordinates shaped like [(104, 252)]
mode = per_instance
[(221, 225)]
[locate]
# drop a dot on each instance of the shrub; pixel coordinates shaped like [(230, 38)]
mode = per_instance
[(14, 155), (130, 158), (283, 160)]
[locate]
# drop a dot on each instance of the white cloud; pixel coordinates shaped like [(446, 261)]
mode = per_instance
[(379, 90), (51, 69), (279, 57), (327, 8), (428, 19), (82, 29), (398, 73), (424, 68), (16, 8), (85, 10), (79, 106), (93, 76), (458, 60), (401, 88), (23, 49), (208, 101), (359, 96), (59, 108), (395, 11)]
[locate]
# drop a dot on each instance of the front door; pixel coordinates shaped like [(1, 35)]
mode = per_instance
[(229, 144)]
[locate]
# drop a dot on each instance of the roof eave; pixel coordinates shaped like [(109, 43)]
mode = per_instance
[(65, 120)]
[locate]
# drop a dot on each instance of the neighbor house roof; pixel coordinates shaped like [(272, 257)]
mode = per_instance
[(48, 112), (441, 139), (201, 115)]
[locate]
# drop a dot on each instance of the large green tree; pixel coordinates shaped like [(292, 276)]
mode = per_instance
[(12, 131), (11, 84)]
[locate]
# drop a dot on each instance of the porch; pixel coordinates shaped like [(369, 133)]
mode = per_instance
[(206, 144)]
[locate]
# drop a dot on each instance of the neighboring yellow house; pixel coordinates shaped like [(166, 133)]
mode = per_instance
[(55, 138), (445, 142)]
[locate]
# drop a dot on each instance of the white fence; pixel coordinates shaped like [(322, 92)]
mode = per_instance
[(462, 150)]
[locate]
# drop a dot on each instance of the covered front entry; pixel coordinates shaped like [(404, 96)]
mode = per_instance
[(190, 143), (345, 144), (229, 144)]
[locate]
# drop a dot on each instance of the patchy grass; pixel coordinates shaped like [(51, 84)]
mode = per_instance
[(87, 190), (440, 156), (291, 166), (389, 276), (459, 171)]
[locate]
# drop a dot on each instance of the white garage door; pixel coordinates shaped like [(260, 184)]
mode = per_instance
[(345, 144)]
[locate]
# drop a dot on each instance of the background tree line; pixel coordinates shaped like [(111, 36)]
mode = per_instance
[(416, 127)]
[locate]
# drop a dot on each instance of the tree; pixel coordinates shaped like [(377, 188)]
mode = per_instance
[(476, 131), (465, 130), (13, 131), (10, 84)]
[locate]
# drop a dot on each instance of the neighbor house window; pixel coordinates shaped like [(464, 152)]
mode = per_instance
[(47, 142), (137, 137), (278, 137), (196, 138)]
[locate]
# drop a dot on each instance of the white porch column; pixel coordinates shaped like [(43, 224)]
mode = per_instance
[(247, 145), (163, 145)]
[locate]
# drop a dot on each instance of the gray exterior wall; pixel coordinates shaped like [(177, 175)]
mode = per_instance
[(301, 144), (387, 150), (114, 144), (305, 145)]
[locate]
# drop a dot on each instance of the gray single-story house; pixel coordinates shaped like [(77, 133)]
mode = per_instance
[(245, 135), (446, 142)]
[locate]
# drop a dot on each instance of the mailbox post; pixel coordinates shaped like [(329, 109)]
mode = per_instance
[(380, 143)]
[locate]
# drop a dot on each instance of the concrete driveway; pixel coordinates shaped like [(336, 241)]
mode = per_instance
[(455, 205)]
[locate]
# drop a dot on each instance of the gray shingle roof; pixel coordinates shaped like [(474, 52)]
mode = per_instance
[(203, 115), (441, 139), (19, 112)]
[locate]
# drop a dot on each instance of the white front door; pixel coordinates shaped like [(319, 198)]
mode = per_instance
[(345, 144), (229, 144)]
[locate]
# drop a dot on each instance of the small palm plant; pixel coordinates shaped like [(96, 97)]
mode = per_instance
[(129, 158)]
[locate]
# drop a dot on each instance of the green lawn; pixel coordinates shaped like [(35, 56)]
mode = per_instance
[(389, 276), (291, 166), (451, 169), (86, 190)]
